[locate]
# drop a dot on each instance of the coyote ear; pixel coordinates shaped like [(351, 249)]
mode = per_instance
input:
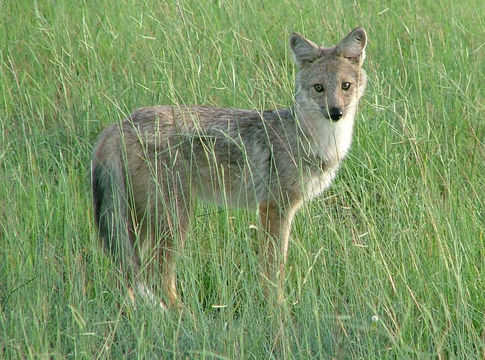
[(353, 46), (304, 50)]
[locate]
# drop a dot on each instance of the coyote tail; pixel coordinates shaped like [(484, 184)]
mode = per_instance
[(111, 208)]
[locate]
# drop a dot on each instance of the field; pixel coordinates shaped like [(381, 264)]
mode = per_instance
[(387, 264)]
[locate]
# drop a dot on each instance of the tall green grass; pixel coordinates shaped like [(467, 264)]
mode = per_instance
[(389, 263)]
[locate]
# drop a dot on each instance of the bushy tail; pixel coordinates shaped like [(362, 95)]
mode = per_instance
[(111, 209)]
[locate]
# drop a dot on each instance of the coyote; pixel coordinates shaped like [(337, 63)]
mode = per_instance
[(148, 170)]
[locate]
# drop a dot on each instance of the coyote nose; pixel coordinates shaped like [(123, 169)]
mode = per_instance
[(336, 113)]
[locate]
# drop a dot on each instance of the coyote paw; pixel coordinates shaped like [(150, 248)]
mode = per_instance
[(146, 294)]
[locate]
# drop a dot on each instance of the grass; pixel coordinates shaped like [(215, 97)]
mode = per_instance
[(389, 263)]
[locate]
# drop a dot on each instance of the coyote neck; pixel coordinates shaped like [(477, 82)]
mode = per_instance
[(324, 139)]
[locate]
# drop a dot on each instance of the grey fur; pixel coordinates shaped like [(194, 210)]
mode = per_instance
[(148, 169)]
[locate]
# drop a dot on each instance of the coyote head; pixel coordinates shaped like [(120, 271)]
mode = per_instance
[(330, 81)]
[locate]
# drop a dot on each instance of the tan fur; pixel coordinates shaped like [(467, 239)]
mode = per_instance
[(148, 169)]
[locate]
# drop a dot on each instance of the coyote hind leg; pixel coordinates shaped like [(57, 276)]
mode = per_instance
[(170, 220)]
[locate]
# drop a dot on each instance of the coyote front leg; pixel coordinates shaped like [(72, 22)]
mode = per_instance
[(276, 223)]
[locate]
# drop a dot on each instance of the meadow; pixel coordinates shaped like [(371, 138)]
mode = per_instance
[(388, 264)]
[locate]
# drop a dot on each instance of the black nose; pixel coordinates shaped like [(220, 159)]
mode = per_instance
[(336, 113)]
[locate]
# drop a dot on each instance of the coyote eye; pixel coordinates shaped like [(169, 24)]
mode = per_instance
[(318, 87), (345, 86)]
